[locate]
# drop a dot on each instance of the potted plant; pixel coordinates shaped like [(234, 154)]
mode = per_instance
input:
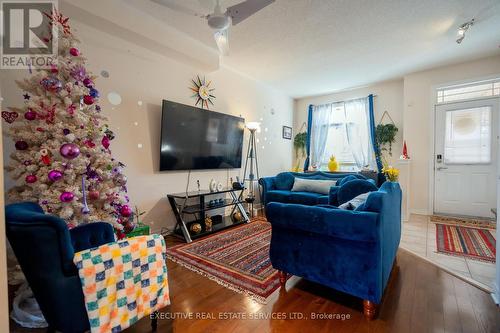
[(385, 136)]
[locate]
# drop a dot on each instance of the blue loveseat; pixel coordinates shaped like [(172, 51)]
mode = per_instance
[(351, 251), (279, 188)]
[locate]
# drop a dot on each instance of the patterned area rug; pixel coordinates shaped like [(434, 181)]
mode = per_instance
[(472, 243), (236, 258)]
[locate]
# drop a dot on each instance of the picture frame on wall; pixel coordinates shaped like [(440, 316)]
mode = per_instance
[(287, 132)]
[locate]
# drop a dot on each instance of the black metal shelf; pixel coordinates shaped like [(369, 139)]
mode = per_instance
[(194, 209)]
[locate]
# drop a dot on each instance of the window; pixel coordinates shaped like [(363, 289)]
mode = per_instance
[(468, 136), (479, 89), (342, 129), (337, 144)]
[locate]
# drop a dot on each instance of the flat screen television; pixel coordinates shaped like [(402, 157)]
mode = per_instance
[(194, 138)]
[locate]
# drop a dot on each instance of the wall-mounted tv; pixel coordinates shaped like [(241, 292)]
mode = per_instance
[(194, 138)]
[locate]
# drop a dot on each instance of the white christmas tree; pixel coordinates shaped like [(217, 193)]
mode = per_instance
[(62, 158)]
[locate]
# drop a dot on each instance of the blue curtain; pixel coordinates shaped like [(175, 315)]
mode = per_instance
[(308, 141), (372, 134)]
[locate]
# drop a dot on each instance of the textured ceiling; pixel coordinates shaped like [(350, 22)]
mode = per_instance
[(310, 47)]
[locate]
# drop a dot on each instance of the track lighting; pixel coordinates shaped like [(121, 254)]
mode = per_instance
[(462, 30)]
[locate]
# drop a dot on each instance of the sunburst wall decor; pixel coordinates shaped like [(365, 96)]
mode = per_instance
[(202, 92)]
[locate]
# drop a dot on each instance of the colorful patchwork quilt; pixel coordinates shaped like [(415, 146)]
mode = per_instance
[(123, 281)]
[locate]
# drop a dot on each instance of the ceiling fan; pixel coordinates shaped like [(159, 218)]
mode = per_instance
[(221, 21)]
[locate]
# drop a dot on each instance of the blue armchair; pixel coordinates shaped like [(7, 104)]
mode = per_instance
[(45, 248), (279, 187), (351, 251)]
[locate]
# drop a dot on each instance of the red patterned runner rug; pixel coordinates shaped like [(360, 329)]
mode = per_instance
[(467, 242), (237, 258)]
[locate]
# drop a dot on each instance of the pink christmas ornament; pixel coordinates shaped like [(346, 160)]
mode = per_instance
[(55, 175), (88, 100), (87, 82), (69, 151), (30, 179), (105, 142), (66, 196), (74, 52), (125, 211), (30, 115)]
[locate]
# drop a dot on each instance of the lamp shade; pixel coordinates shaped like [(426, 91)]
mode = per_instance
[(253, 125)]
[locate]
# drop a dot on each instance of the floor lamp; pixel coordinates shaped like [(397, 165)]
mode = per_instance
[(252, 165)]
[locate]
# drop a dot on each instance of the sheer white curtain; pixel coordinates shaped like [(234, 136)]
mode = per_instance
[(319, 132), (358, 133)]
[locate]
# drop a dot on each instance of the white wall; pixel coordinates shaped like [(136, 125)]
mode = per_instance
[(140, 75), (389, 98), (418, 110)]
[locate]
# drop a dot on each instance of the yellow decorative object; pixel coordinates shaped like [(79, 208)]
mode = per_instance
[(208, 223), (391, 173), (195, 227), (333, 165), (237, 217)]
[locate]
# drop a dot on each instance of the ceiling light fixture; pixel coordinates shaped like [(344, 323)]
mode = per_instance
[(463, 29)]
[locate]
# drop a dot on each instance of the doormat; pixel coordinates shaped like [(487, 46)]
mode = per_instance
[(464, 221), (237, 259), (473, 243)]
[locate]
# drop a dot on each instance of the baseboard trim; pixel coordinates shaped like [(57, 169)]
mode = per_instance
[(419, 211)]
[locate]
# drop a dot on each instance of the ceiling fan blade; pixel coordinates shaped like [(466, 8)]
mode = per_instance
[(246, 9), (173, 5), (222, 41)]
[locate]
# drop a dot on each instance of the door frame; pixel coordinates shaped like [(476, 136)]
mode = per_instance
[(432, 129)]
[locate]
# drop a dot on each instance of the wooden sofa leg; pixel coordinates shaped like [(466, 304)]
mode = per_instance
[(283, 276), (369, 309)]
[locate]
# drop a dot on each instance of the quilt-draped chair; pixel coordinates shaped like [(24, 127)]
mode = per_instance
[(44, 247)]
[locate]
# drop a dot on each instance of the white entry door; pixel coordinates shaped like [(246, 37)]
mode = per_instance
[(465, 159)]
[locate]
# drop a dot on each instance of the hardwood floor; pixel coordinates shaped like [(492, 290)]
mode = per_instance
[(420, 298)]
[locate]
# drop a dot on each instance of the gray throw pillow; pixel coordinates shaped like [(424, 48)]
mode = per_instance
[(312, 185), (355, 202)]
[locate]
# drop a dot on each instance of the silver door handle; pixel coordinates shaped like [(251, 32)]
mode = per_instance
[(441, 168)]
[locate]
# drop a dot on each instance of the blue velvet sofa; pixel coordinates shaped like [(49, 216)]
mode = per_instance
[(279, 188), (350, 251), (45, 248)]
